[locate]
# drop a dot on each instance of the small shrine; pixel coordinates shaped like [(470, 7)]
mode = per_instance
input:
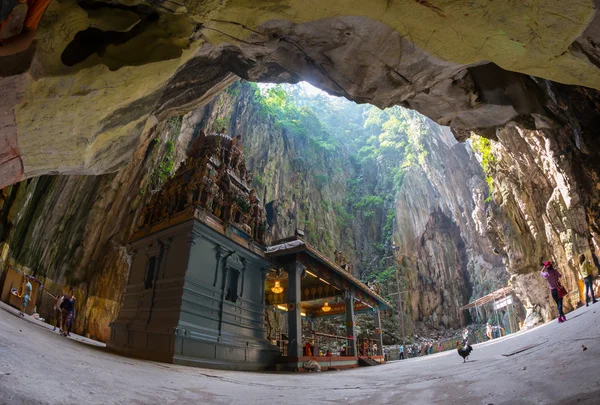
[(196, 283)]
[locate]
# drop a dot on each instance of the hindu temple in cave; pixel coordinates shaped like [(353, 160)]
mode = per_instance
[(205, 282)]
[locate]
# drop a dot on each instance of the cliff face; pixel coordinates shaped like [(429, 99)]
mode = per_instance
[(546, 193), (440, 231), (71, 231)]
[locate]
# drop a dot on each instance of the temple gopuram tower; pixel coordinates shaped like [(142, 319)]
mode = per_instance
[(195, 293)]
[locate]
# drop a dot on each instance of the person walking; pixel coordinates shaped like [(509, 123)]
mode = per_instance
[(553, 276), (401, 349), (26, 294), (586, 272), (58, 313), (68, 313), (439, 346)]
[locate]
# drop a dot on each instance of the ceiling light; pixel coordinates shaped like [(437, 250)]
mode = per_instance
[(277, 288)]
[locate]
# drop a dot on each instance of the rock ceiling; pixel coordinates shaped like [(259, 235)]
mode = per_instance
[(102, 73)]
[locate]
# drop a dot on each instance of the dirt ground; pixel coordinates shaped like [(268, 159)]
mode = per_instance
[(37, 366)]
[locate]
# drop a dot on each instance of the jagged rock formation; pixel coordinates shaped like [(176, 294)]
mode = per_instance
[(107, 70), (440, 232), (547, 194)]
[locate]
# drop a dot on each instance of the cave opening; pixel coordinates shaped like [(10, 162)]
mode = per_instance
[(348, 174)]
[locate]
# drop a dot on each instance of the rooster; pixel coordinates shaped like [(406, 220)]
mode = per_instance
[(464, 351)]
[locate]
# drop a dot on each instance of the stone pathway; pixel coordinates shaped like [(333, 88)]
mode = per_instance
[(544, 366)]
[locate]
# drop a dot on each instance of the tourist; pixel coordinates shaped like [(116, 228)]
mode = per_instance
[(26, 294), (553, 276), (430, 347), (401, 350), (68, 313), (439, 346), (58, 313), (465, 337), (488, 331), (586, 272), (11, 17)]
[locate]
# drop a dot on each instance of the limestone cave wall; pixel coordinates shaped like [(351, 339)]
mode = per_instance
[(546, 195), (72, 231), (440, 230)]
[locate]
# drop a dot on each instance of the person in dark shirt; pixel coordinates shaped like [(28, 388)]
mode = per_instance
[(68, 312)]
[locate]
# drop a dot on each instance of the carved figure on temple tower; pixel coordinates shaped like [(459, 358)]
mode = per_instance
[(218, 203), (214, 188), (244, 223)]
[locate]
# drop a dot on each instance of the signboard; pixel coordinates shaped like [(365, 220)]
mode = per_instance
[(504, 302)]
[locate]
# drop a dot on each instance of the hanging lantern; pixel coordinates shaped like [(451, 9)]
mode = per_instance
[(277, 288), (326, 307)]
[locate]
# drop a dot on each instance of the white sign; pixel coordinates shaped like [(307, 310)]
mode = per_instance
[(503, 302)]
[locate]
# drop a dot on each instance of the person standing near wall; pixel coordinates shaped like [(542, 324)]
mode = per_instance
[(26, 294), (68, 313), (401, 349), (58, 313), (586, 271), (553, 276)]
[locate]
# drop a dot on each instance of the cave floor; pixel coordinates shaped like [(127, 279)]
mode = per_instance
[(38, 366)]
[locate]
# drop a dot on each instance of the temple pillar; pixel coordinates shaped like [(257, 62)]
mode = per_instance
[(379, 331), (294, 270), (350, 330)]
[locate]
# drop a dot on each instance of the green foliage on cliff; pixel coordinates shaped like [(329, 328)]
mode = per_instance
[(174, 125), (165, 167), (219, 124), (483, 147), (258, 180), (300, 121)]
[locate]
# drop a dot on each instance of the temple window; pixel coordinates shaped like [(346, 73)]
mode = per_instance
[(150, 272), (232, 286)]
